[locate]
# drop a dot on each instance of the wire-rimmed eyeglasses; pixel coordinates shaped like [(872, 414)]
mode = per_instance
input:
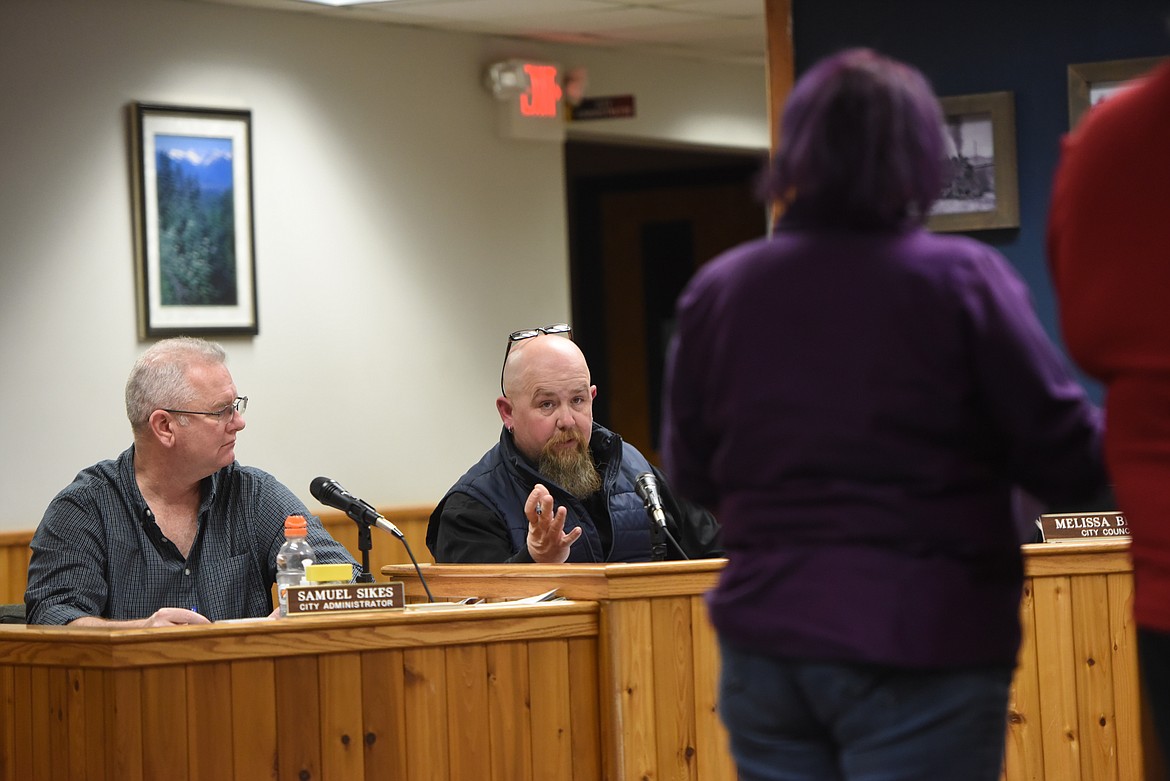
[(240, 405), (528, 333)]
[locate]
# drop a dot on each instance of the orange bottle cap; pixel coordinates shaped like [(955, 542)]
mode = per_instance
[(295, 526)]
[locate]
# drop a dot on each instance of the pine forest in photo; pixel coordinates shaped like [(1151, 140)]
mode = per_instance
[(196, 221)]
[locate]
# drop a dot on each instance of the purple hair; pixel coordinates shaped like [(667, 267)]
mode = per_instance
[(861, 145)]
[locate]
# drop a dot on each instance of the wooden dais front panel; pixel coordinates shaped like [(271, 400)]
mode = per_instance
[(494, 692)]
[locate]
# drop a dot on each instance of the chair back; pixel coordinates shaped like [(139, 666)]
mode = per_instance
[(12, 614)]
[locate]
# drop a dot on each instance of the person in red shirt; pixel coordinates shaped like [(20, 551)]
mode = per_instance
[(1109, 251)]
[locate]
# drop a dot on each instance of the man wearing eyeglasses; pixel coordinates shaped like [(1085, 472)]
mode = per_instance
[(558, 487), (175, 530)]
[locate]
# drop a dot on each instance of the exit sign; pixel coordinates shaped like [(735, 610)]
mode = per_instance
[(531, 99), (543, 97)]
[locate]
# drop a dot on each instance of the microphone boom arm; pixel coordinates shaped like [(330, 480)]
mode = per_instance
[(646, 486), (331, 494)]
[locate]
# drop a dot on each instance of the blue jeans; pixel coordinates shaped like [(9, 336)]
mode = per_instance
[(806, 721)]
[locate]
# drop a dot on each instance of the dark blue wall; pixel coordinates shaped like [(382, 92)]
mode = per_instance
[(1022, 46)]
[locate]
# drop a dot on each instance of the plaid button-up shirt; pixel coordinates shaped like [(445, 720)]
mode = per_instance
[(99, 552)]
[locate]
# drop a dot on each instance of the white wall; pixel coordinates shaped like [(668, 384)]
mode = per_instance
[(398, 236)]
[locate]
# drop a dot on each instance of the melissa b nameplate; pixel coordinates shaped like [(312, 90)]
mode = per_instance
[(1079, 527)]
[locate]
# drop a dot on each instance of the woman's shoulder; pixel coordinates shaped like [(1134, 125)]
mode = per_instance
[(952, 252)]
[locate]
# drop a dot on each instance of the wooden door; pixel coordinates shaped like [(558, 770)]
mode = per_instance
[(651, 242)]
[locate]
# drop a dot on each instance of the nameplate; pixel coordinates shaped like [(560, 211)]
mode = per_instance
[(1078, 527), (344, 597)]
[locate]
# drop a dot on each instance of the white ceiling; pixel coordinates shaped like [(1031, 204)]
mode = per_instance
[(712, 30)]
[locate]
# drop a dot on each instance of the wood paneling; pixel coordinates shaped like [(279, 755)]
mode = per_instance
[(649, 698), (14, 555), (391, 695), (385, 549), (658, 664), (781, 61), (1076, 710)]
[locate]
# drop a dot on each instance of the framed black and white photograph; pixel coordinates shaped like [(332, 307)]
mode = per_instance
[(1091, 82), (196, 265), (981, 190)]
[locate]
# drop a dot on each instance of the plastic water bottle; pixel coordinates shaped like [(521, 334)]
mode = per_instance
[(292, 558)]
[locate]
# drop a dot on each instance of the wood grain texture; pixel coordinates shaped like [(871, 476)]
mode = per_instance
[(427, 735), (59, 752), (14, 556), (552, 724), (40, 720), (253, 744), (575, 581), (1023, 752), (470, 749), (1077, 676), (713, 755), (99, 724), (621, 689), (21, 760), (8, 723), (1095, 703), (584, 692), (340, 715), (384, 715), (630, 647), (1076, 558), (1126, 686), (1055, 645), (298, 718), (674, 687), (510, 712), (309, 635), (126, 746)]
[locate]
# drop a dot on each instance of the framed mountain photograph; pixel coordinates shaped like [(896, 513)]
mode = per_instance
[(194, 246)]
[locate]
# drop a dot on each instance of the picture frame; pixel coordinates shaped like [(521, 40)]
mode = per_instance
[(194, 243), (982, 191), (1092, 82)]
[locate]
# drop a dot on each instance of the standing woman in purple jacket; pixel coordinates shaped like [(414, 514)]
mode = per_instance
[(855, 398)]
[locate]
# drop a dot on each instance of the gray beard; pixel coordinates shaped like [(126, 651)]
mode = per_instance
[(575, 471)]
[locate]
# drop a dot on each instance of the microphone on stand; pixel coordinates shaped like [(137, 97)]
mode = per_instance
[(330, 493), (646, 484), (647, 487)]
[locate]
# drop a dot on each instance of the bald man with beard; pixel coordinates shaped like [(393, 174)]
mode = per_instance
[(558, 487)]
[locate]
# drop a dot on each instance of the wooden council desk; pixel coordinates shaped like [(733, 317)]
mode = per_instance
[(620, 688), (495, 692), (1075, 712), (659, 657)]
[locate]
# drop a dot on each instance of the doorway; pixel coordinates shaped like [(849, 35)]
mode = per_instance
[(641, 220)]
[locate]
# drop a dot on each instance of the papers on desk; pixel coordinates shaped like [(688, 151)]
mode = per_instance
[(548, 596), (412, 607)]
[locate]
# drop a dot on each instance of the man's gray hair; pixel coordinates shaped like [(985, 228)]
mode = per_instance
[(159, 377)]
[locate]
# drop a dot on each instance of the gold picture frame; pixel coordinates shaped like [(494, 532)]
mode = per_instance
[(982, 190), (1089, 82)]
